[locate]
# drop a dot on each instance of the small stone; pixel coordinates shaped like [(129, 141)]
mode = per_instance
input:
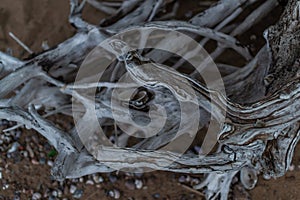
[(111, 193), (59, 193), (117, 194), (30, 151), (112, 178), (73, 189), (138, 184), (45, 45), (5, 186), (7, 139), (188, 178), (100, 180), (17, 134), (14, 147), (292, 168), (188, 14), (114, 194), (17, 196), (50, 163), (97, 178), (42, 161), (33, 161), (145, 187), (78, 194), (35, 139), (24, 154), (54, 193), (253, 37), (197, 149), (89, 182), (81, 180), (3, 122), (52, 198), (181, 179), (74, 180), (195, 181), (156, 196), (42, 155), (129, 184), (36, 196)]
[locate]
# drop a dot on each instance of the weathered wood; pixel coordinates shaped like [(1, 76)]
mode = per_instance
[(262, 107)]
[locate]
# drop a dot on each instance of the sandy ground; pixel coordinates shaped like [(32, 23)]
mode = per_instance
[(36, 21)]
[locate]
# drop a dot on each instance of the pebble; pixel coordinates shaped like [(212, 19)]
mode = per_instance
[(181, 179), (156, 196), (101, 180), (253, 37), (97, 178), (129, 184), (52, 198), (197, 149), (16, 197), (291, 167), (10, 52), (73, 189), (114, 194), (59, 193), (78, 194), (112, 178), (17, 134), (54, 193), (195, 181), (3, 122), (45, 45), (35, 139), (30, 151), (5, 186), (24, 154), (42, 161), (188, 14), (117, 194), (7, 139), (138, 184), (89, 182), (188, 178), (50, 163), (33, 161), (36, 196), (74, 180), (14, 147)]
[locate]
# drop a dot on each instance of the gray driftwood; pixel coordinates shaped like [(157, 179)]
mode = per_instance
[(263, 97)]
